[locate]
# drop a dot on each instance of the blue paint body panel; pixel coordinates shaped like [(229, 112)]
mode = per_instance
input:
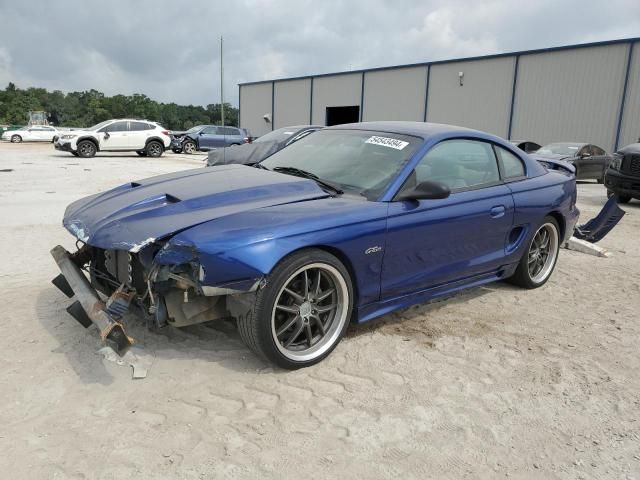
[(238, 222)]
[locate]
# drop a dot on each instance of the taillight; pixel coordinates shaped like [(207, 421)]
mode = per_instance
[(164, 132)]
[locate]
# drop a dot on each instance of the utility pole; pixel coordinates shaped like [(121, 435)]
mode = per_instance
[(221, 83)]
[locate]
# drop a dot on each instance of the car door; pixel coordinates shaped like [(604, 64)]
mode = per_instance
[(48, 133), (34, 134), (600, 161), (586, 163), (138, 133), (435, 242), (209, 138), (114, 136)]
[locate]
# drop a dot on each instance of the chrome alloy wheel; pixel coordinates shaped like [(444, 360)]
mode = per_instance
[(543, 252), (310, 312)]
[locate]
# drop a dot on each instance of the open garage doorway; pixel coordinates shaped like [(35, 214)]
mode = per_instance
[(339, 115)]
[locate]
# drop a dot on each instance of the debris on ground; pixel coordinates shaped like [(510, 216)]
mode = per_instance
[(137, 358)]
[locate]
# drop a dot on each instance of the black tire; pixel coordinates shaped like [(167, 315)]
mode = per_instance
[(258, 327), (600, 180), (16, 139), (623, 199), (142, 153), (75, 154), (189, 147), (154, 149), (523, 276), (86, 149)]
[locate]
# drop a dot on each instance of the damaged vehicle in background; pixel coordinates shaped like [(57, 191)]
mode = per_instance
[(347, 224), (590, 161), (207, 137), (622, 179), (261, 148)]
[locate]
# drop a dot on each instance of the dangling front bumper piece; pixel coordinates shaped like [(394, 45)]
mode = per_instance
[(88, 307)]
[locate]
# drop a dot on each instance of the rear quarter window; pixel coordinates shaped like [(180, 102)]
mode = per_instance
[(512, 166)]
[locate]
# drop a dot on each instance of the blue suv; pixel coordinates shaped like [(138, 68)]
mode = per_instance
[(206, 137)]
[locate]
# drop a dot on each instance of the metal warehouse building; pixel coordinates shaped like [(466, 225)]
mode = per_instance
[(588, 92)]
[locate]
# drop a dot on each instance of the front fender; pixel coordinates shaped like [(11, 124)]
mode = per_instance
[(247, 250)]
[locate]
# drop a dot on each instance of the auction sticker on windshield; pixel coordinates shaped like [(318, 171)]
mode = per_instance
[(387, 142)]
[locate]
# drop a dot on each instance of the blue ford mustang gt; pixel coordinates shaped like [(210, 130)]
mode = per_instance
[(347, 224)]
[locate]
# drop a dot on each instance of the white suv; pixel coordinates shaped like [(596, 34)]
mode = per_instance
[(121, 135)]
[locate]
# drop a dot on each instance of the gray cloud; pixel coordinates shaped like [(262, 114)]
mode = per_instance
[(170, 51)]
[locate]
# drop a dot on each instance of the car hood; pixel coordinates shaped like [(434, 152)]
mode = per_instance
[(136, 214)]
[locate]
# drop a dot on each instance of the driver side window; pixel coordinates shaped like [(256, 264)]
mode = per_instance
[(460, 165)]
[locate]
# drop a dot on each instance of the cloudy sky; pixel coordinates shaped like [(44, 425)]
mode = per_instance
[(169, 50)]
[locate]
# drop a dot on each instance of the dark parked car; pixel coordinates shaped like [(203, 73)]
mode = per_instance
[(623, 175), (348, 224), (207, 137), (261, 148), (525, 145), (590, 161)]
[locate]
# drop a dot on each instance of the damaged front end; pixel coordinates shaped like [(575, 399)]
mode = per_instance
[(161, 283)]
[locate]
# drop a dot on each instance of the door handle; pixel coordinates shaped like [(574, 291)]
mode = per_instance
[(497, 211)]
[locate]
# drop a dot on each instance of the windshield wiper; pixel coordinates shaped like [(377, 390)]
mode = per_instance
[(304, 174)]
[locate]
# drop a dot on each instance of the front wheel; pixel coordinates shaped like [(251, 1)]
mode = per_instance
[(87, 149), (302, 312), (539, 260), (189, 148), (16, 139)]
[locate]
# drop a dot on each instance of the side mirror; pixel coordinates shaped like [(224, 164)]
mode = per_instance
[(202, 133), (426, 191), (106, 135), (585, 155)]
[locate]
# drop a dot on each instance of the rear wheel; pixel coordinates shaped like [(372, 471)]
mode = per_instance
[(86, 149), (189, 147), (154, 149), (302, 312), (539, 260), (16, 139)]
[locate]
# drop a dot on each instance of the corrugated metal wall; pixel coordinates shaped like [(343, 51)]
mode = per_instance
[(291, 102), (395, 94), (335, 91), (255, 102), (570, 95), (630, 131), (482, 102)]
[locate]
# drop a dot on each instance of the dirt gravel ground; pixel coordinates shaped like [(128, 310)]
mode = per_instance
[(494, 383)]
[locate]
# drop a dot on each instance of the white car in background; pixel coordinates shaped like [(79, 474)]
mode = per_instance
[(35, 133), (120, 135)]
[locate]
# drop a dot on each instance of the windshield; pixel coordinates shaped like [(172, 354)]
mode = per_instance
[(560, 149), (100, 125), (276, 136), (362, 162), (195, 129)]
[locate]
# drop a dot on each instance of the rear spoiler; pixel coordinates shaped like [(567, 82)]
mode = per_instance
[(551, 164)]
